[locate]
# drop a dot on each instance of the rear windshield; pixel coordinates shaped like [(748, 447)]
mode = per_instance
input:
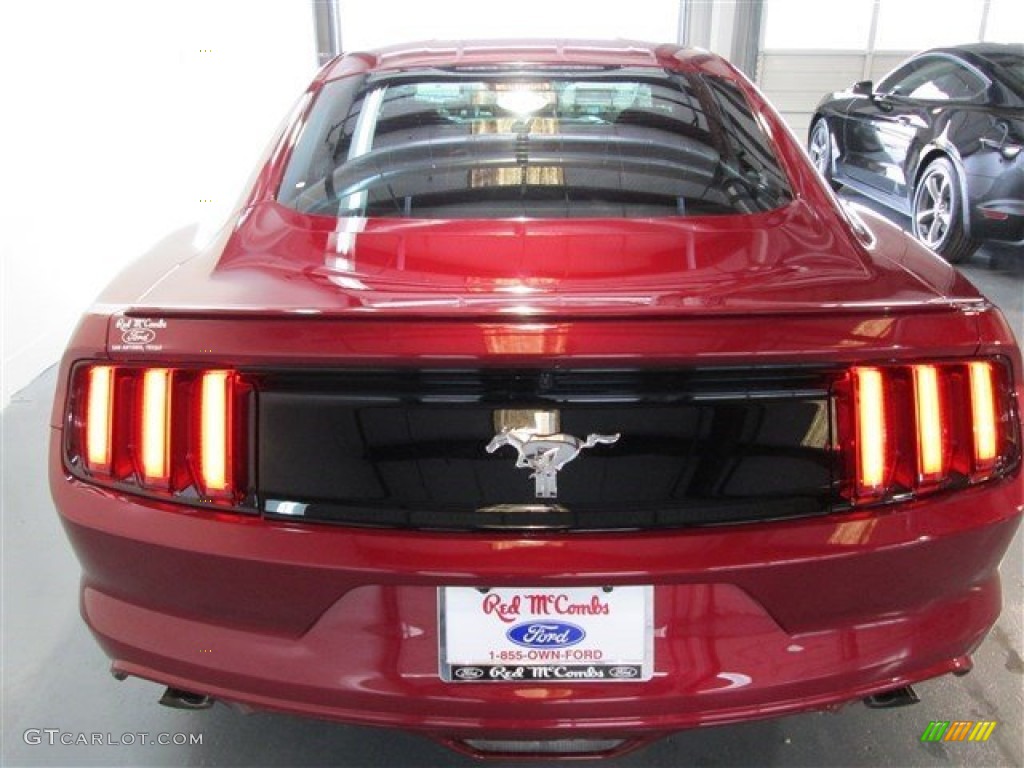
[(535, 143)]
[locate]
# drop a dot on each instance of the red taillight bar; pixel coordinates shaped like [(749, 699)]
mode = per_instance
[(983, 416), (929, 413), (98, 415), (910, 429), (872, 460), (170, 432), (155, 427), (215, 409)]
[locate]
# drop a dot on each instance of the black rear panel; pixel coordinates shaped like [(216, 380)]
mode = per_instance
[(407, 448)]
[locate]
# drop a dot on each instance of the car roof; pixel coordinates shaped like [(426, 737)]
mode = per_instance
[(984, 56), (985, 49), (976, 53), (481, 53)]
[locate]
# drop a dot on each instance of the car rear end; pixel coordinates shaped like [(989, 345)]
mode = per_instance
[(995, 180), (489, 479), (995, 168)]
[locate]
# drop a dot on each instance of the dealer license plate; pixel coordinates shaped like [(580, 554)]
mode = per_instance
[(535, 635)]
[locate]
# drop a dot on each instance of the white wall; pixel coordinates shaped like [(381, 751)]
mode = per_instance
[(902, 24), (116, 124), (373, 23)]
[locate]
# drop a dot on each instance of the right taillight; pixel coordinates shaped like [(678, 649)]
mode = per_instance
[(906, 430), (216, 426), (170, 432), (985, 416)]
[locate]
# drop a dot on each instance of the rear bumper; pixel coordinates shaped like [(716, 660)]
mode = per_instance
[(751, 621), (1000, 221), (996, 195)]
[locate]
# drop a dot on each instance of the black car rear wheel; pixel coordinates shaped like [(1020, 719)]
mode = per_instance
[(820, 150), (938, 213)]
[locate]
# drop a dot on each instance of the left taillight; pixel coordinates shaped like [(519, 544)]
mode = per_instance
[(169, 432)]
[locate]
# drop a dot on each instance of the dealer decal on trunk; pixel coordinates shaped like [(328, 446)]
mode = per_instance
[(139, 334)]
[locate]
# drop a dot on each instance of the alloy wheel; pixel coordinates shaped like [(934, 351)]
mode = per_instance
[(933, 212), (820, 149)]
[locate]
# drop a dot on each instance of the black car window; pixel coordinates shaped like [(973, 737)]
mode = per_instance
[(889, 83), (490, 143), (935, 79)]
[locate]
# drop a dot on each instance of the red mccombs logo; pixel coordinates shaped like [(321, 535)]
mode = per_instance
[(542, 605)]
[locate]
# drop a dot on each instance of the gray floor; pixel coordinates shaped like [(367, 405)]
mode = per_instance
[(54, 676)]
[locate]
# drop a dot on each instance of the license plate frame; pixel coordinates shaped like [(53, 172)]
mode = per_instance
[(549, 635)]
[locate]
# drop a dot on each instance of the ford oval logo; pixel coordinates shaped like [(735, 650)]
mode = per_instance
[(469, 673), (546, 634), (623, 672), (138, 336)]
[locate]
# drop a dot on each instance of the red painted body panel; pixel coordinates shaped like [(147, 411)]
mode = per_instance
[(790, 260), (751, 620), (342, 623)]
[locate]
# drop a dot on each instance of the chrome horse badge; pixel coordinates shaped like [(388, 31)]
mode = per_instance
[(545, 454)]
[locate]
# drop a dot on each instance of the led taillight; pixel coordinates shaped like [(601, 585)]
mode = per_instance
[(98, 413), (904, 430), (871, 437), (215, 428), (155, 418), (168, 432), (983, 415), (930, 434)]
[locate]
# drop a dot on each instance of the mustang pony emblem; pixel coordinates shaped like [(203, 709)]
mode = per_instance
[(545, 454)]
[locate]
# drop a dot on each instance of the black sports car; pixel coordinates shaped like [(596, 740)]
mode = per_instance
[(939, 139)]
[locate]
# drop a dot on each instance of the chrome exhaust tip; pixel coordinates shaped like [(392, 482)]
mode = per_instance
[(897, 697), (175, 698)]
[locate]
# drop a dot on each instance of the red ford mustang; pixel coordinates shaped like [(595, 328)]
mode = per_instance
[(536, 387)]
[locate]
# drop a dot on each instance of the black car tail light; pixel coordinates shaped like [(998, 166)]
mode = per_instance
[(176, 433), (183, 434), (907, 430)]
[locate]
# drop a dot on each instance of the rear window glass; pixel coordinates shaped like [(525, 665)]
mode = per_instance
[(496, 144)]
